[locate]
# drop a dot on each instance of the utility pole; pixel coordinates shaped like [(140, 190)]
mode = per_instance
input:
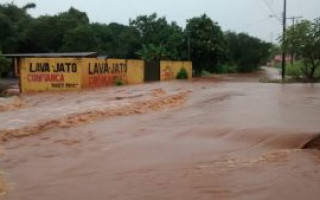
[(293, 26), (283, 39)]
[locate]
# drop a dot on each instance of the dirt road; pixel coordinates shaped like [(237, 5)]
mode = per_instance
[(230, 138)]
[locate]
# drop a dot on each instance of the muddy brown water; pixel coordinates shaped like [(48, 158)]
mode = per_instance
[(229, 140)]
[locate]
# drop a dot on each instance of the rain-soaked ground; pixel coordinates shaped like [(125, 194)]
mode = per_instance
[(223, 137)]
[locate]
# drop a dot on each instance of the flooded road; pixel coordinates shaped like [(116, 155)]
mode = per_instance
[(215, 138)]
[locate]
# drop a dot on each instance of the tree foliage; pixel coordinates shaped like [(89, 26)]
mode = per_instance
[(151, 52), (246, 52), (303, 40), (156, 33), (207, 42), (13, 20), (149, 37)]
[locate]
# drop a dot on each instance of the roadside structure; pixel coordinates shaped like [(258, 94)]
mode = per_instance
[(78, 70)]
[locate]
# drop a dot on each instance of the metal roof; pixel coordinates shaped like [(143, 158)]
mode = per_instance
[(52, 55)]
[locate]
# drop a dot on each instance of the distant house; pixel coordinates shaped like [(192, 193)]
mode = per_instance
[(278, 58)]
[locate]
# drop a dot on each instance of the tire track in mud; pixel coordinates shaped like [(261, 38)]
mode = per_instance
[(71, 120)]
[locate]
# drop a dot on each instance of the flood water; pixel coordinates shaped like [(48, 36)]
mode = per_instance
[(231, 138)]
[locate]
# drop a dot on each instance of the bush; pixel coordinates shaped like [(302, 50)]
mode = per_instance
[(232, 69), (224, 69), (119, 82), (182, 74), (294, 69), (205, 73), (220, 69)]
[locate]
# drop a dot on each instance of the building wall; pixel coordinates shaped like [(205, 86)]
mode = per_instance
[(105, 72), (50, 74), (64, 74), (102, 72), (170, 69), (135, 71)]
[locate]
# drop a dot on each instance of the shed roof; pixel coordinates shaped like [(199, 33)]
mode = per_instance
[(52, 55)]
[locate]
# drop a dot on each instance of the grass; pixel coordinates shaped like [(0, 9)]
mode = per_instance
[(295, 70), (205, 73), (225, 69), (220, 69)]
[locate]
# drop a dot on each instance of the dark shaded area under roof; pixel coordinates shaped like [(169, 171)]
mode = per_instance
[(53, 55)]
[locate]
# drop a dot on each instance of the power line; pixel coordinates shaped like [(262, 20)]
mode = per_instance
[(274, 14)]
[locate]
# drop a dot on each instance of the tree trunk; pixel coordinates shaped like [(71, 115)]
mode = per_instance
[(313, 68), (305, 71)]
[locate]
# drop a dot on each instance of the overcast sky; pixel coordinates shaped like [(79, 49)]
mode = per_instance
[(250, 16)]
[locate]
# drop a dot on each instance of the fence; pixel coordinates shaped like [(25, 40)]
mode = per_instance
[(63, 74)]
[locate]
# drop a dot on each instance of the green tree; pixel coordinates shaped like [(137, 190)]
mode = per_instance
[(207, 43), (151, 52), (116, 40), (175, 44), (304, 38), (29, 6), (13, 20), (42, 35), (72, 18), (247, 52), (69, 24), (156, 32), (152, 28), (104, 37), (125, 41), (47, 33), (81, 38)]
